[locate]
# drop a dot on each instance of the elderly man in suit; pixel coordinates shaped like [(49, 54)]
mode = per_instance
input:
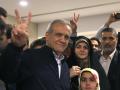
[(45, 68)]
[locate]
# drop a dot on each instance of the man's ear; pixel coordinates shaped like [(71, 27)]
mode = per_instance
[(97, 85), (117, 39), (46, 35)]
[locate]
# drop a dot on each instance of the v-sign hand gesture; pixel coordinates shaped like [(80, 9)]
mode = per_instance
[(73, 22), (20, 31)]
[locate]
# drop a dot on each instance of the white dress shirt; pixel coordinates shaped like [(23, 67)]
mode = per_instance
[(58, 58), (105, 62)]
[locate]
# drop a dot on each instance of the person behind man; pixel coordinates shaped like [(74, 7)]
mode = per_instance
[(67, 52), (112, 18), (45, 68), (3, 15), (38, 43), (73, 22), (96, 44), (9, 59), (3, 29), (110, 57), (5, 38)]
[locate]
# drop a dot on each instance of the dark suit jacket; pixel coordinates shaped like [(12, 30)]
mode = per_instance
[(114, 72), (9, 62), (39, 71)]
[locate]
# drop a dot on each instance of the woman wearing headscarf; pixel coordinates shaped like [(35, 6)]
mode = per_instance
[(89, 79), (83, 57)]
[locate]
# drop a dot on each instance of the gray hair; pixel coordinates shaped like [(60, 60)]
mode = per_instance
[(57, 21), (109, 29)]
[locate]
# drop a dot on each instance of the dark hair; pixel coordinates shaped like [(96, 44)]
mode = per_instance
[(73, 57), (96, 39), (49, 28), (38, 42), (109, 29), (3, 12), (2, 26), (8, 30), (70, 43)]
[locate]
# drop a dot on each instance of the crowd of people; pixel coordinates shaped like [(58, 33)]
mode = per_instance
[(60, 60)]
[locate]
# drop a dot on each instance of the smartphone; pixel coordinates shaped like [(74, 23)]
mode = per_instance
[(117, 15)]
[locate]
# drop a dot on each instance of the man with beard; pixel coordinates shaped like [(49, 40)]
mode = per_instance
[(110, 57)]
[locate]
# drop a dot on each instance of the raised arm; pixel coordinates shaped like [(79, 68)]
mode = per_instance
[(111, 19), (74, 21), (20, 31)]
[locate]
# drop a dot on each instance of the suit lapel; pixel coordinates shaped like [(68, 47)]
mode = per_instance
[(54, 67), (51, 61), (113, 65), (62, 70)]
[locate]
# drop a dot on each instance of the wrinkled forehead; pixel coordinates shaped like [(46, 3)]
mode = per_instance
[(108, 34), (58, 26)]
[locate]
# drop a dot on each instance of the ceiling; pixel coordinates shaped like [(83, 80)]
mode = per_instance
[(46, 10)]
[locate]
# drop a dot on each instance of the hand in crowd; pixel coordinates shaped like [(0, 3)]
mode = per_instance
[(111, 19), (74, 71), (74, 22), (20, 31)]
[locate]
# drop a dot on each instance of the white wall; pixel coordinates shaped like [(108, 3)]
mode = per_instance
[(87, 26), (42, 27)]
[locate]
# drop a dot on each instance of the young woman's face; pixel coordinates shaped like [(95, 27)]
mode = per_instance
[(88, 81), (81, 50)]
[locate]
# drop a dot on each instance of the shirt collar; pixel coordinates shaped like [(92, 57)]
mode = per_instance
[(58, 57), (112, 54)]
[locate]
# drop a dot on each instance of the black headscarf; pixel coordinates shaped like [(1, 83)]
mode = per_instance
[(73, 58)]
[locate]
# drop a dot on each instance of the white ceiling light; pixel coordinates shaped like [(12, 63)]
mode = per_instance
[(23, 3)]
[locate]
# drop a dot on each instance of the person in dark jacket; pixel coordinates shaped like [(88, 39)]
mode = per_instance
[(110, 56), (45, 68), (38, 43), (9, 59)]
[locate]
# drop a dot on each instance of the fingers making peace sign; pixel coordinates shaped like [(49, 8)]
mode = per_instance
[(20, 30), (22, 24), (20, 20), (73, 22)]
